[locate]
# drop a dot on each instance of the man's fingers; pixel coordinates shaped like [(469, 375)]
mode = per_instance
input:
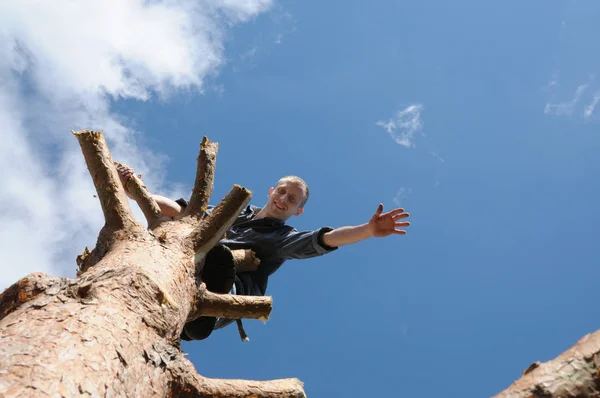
[(399, 232), (400, 216), (126, 171), (395, 212), (402, 224)]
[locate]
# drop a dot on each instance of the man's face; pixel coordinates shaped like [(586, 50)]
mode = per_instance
[(284, 201)]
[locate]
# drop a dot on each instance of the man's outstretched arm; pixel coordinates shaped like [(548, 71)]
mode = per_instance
[(168, 207), (380, 225)]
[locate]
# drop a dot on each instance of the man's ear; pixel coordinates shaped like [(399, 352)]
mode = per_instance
[(299, 211), (270, 192)]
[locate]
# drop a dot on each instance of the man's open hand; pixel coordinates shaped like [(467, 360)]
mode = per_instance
[(125, 172), (385, 224)]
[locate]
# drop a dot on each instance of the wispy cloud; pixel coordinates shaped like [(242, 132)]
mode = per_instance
[(401, 196), (589, 110), (404, 125), (553, 82), (62, 63), (566, 108), (249, 53), (284, 23), (438, 157), (575, 105)]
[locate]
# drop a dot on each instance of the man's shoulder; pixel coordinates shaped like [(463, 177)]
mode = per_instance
[(251, 209), (248, 212)]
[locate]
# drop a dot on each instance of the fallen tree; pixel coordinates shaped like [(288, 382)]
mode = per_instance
[(114, 330)]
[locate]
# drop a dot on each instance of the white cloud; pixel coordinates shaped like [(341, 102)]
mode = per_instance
[(404, 125), (61, 65)]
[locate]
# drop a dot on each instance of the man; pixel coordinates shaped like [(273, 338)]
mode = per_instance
[(264, 231)]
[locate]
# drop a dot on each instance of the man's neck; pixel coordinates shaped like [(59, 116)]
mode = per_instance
[(264, 214), (261, 214)]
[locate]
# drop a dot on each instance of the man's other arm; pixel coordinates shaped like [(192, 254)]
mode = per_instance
[(168, 207), (380, 225)]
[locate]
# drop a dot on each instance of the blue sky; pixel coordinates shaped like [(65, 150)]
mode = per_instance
[(494, 106), (499, 267)]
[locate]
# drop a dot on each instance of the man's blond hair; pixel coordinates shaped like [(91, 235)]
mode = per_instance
[(298, 181)]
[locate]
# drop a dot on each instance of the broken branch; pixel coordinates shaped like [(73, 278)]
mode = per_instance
[(245, 260), (283, 388), (205, 176), (211, 230), (117, 213), (143, 198), (187, 383), (230, 306)]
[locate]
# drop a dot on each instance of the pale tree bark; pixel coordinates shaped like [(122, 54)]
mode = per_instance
[(114, 330), (573, 374)]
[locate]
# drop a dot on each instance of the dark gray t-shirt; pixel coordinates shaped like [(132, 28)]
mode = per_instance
[(273, 241)]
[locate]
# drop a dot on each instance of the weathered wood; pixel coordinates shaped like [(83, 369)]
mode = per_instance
[(205, 175), (144, 199), (283, 388), (114, 330), (113, 200), (230, 306), (245, 260), (212, 229), (573, 374), (188, 384)]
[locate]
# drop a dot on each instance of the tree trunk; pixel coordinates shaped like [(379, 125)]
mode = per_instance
[(114, 330), (573, 374)]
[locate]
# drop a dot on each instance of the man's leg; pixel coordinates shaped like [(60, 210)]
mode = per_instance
[(219, 275)]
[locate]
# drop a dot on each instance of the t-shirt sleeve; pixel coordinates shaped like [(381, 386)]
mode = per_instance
[(305, 244), (182, 202)]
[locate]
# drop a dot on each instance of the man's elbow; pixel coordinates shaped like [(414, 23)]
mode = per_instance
[(168, 207), (328, 240)]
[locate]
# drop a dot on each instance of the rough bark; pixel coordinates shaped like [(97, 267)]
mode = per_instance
[(27, 289), (573, 374), (114, 330)]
